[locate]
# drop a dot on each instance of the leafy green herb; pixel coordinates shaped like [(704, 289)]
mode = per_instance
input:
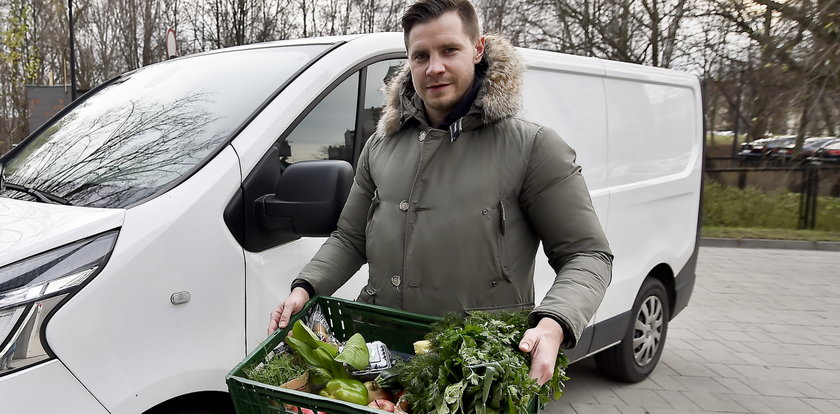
[(279, 370), (475, 366)]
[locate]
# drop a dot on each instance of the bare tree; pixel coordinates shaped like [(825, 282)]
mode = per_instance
[(638, 31), (773, 66), (18, 65), (799, 52)]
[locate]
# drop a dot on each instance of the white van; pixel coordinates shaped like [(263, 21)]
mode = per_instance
[(145, 233)]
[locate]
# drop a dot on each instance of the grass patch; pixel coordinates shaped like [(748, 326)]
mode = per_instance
[(751, 208), (772, 234)]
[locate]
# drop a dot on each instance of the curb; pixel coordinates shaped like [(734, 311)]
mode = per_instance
[(771, 244)]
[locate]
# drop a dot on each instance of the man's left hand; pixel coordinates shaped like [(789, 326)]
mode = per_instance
[(543, 342)]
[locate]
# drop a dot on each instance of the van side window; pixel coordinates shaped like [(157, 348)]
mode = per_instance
[(328, 132), (377, 76)]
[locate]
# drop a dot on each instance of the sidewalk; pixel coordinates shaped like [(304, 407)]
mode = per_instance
[(760, 335), (771, 244)]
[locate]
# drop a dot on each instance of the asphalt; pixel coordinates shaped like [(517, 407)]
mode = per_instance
[(760, 335)]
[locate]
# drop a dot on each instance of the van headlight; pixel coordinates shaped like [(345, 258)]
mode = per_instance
[(31, 289)]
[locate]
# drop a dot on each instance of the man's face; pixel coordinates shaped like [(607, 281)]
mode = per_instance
[(442, 59)]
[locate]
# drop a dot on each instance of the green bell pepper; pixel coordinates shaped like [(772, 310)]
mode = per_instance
[(350, 390)]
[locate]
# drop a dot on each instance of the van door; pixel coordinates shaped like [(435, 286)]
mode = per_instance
[(566, 93), (655, 144), (334, 127)]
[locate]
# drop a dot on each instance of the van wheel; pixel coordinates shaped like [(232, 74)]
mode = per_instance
[(205, 402), (633, 359)]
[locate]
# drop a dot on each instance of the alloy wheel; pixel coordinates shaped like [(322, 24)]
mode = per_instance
[(647, 333)]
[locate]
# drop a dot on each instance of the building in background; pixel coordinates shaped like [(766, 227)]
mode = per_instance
[(45, 101)]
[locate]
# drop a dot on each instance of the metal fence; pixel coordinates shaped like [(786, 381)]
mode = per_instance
[(808, 179)]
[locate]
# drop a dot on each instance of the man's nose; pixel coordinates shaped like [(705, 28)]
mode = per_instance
[(436, 66)]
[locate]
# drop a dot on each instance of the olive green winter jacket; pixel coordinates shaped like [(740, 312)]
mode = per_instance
[(454, 225)]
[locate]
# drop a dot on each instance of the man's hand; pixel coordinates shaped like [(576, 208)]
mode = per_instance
[(292, 305), (543, 342)]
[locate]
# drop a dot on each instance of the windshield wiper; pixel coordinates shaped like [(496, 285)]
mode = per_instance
[(40, 195)]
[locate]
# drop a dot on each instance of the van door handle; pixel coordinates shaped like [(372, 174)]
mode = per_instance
[(180, 298)]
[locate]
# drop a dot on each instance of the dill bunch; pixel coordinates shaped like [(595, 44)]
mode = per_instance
[(475, 366), (278, 370)]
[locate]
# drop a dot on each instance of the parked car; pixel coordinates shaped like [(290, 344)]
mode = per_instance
[(753, 150), (149, 228), (780, 147), (809, 150), (764, 147), (809, 147), (829, 152)]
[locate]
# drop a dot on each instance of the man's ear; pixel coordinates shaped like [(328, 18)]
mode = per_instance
[(479, 50)]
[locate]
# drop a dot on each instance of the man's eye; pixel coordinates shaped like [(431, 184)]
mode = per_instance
[(420, 57), (450, 50)]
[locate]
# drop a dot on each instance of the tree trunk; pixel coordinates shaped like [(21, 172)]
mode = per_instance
[(803, 121), (148, 27)]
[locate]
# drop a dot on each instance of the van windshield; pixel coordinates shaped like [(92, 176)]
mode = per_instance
[(148, 128)]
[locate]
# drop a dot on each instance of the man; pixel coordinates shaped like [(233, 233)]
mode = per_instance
[(453, 194)]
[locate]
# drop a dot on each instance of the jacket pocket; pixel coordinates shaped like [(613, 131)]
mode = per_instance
[(500, 239), (374, 204), (368, 295)]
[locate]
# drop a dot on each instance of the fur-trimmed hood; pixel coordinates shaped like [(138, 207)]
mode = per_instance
[(499, 96)]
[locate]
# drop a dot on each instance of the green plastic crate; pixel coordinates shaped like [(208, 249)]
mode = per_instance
[(397, 329)]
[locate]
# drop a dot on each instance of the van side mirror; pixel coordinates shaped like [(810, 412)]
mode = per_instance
[(309, 198)]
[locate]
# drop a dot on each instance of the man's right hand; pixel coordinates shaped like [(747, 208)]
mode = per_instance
[(292, 305)]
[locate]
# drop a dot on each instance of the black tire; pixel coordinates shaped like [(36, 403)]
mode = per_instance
[(648, 328), (208, 402)]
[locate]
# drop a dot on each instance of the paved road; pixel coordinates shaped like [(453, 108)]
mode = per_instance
[(761, 335)]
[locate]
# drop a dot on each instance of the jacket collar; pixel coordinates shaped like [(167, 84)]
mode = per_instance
[(499, 96)]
